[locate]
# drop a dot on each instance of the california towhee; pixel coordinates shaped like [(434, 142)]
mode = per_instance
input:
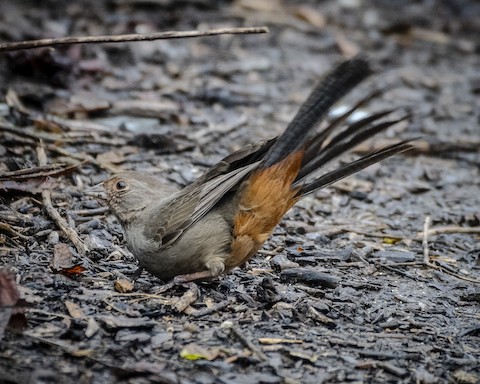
[(221, 220)]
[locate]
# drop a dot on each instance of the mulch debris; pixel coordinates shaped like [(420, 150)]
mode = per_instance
[(375, 279)]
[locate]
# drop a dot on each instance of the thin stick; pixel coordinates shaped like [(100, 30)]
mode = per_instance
[(128, 37), (8, 228), (453, 229), (248, 343), (426, 255), (187, 298), (53, 213), (426, 225), (426, 251)]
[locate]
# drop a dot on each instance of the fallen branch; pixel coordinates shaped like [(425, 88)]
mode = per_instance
[(53, 213), (30, 44)]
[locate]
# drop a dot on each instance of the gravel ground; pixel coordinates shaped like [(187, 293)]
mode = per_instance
[(340, 293)]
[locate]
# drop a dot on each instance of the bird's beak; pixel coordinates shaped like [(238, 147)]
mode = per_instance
[(97, 191)]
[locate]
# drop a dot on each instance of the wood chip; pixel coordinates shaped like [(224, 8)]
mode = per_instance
[(74, 310), (123, 285)]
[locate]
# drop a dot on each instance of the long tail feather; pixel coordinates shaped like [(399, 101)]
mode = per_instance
[(340, 145), (316, 143), (334, 86), (355, 166)]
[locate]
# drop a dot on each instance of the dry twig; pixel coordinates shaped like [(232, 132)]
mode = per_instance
[(128, 37), (187, 298), (8, 228), (53, 213)]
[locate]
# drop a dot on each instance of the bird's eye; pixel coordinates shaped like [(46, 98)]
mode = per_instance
[(121, 185)]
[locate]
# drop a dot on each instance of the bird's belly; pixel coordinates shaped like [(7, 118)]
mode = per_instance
[(188, 254)]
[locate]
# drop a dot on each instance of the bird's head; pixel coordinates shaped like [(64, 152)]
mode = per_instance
[(130, 193)]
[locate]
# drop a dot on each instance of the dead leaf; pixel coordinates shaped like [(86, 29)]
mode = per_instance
[(123, 285), (11, 315), (64, 261), (195, 352), (73, 271), (62, 258)]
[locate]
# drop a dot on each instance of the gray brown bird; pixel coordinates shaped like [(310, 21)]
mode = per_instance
[(222, 219)]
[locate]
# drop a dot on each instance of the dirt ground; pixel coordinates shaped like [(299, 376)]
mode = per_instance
[(341, 293)]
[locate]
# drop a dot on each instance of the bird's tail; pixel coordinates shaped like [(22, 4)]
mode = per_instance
[(331, 88), (289, 166), (325, 146)]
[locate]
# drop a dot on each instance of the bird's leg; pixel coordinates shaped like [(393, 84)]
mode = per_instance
[(215, 267), (182, 279)]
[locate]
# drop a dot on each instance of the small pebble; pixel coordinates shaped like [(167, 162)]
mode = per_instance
[(53, 238)]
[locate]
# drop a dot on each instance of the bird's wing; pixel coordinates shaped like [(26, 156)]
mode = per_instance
[(192, 203), (249, 154)]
